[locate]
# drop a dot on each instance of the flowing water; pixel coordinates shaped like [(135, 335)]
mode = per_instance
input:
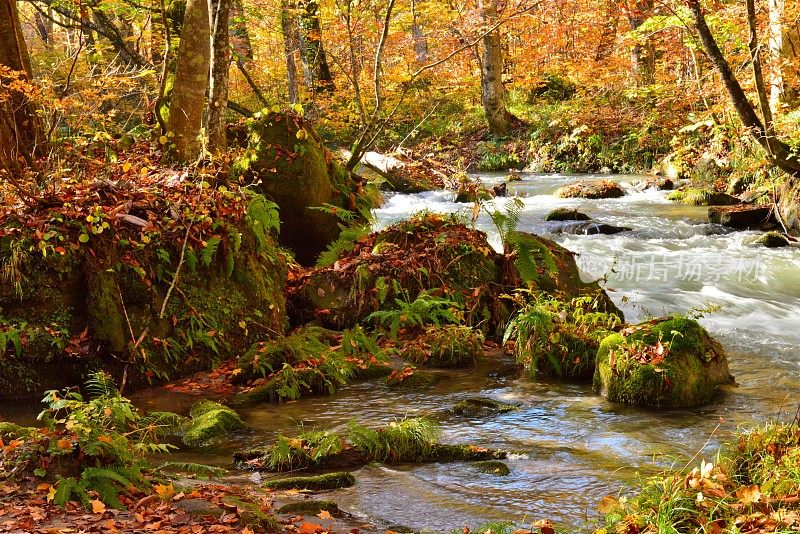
[(570, 447)]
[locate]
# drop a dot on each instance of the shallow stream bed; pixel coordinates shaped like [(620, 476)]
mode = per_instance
[(569, 447)]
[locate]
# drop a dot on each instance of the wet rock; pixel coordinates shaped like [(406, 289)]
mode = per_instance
[(772, 240), (741, 217), (663, 363), (417, 380), (657, 182), (594, 189), (448, 347), (591, 228), (251, 515), (290, 165), (443, 453), (199, 508), (566, 214), (703, 197), (482, 406), (493, 467), (397, 175), (328, 481), (210, 420), (310, 508), (469, 192), (500, 190)]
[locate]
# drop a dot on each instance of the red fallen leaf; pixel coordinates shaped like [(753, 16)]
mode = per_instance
[(310, 528)]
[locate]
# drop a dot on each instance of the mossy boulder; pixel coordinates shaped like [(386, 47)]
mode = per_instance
[(431, 252), (470, 191), (482, 406), (702, 197), (413, 380), (289, 164), (566, 214), (252, 515), (110, 298), (328, 481), (664, 363), (209, 420), (592, 189), (447, 346), (772, 240)]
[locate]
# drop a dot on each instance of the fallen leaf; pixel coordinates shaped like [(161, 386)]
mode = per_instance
[(98, 507), (324, 514)]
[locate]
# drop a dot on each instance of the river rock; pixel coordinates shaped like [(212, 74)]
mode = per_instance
[(210, 420), (592, 189), (566, 214), (288, 163), (199, 508), (591, 228), (482, 406), (397, 175), (471, 191), (663, 363), (772, 240), (745, 216)]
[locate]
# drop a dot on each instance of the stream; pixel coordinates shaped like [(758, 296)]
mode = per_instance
[(570, 447)]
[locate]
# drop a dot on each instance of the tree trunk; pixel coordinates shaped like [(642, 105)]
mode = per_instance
[(493, 93), (755, 61), (191, 81), (419, 37), (21, 130), (242, 46), (290, 45), (643, 55), (778, 153), (313, 52), (776, 9), (218, 101)]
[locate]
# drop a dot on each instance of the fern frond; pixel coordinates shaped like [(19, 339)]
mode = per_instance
[(200, 470), (100, 384)]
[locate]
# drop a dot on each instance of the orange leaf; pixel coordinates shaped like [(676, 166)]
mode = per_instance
[(324, 514), (98, 507), (310, 528)]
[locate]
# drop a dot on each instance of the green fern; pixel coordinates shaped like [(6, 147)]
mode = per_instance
[(209, 250), (263, 219), (348, 236), (200, 470)]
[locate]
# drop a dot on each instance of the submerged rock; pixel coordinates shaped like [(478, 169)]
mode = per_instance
[(482, 406), (741, 217), (210, 420), (566, 214), (328, 481), (591, 228), (310, 508), (594, 189), (493, 467), (772, 240), (664, 363)]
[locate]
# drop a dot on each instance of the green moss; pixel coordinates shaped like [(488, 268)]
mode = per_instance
[(265, 357), (493, 467), (417, 380), (209, 420), (310, 508), (327, 481), (482, 406), (661, 364), (702, 197), (462, 453), (8, 430)]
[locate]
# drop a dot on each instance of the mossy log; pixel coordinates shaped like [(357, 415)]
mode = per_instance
[(209, 420), (327, 481)]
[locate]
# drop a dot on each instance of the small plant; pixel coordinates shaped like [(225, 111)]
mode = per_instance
[(425, 309), (565, 333)]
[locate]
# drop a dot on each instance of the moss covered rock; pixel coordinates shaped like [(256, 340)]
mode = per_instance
[(665, 363), (252, 515), (566, 214), (742, 217), (431, 252), (772, 240), (209, 420), (702, 197), (328, 481), (593, 189), (110, 298), (291, 166), (448, 346)]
